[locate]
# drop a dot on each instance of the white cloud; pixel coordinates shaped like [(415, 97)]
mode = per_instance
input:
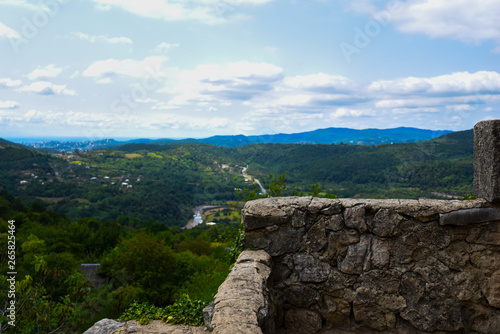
[(321, 81), (8, 104), (24, 4), (482, 82), (464, 20), (238, 81), (165, 47), (277, 120), (108, 123), (470, 21), (100, 38), (419, 110), (9, 83), (47, 88), (126, 67), (49, 71), (6, 32), (104, 81), (146, 100), (204, 11), (362, 6), (460, 107), (349, 112)]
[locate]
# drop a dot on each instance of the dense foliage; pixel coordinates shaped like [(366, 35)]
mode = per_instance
[(130, 186), (411, 170), (156, 264)]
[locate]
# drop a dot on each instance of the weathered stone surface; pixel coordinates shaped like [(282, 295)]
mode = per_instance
[(271, 211), (400, 266), (486, 260), (337, 245), (338, 281), (355, 258), (315, 239), (104, 326), (485, 235), (208, 315), (355, 218), (385, 222), (379, 253), (376, 310), (468, 286), (487, 160), (157, 326), (284, 240), (310, 269), (492, 292), (133, 327), (334, 222), (456, 256), (242, 303), (470, 216), (300, 295), (338, 311), (302, 321), (259, 256), (324, 206), (299, 218)]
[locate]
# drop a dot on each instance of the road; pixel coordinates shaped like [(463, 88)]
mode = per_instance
[(250, 178)]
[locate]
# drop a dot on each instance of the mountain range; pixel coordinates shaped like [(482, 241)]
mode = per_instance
[(320, 136), (330, 136)]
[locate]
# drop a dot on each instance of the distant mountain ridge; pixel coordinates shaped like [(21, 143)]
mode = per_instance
[(329, 136), (320, 136)]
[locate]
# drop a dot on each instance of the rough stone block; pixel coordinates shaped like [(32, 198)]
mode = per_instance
[(310, 269), (493, 290), (302, 321), (469, 216), (487, 160)]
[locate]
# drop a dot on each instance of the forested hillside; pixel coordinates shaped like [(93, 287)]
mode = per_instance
[(409, 170), (136, 183), (149, 182)]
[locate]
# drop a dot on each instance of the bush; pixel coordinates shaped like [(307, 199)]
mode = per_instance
[(185, 311)]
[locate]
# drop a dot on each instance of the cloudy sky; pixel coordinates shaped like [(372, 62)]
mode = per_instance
[(196, 68)]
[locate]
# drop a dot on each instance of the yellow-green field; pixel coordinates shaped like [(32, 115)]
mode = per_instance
[(133, 155), (154, 155)]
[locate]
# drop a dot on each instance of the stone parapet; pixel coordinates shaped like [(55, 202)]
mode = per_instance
[(379, 266), (242, 304), (487, 160)]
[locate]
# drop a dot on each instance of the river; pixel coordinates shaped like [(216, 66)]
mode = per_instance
[(198, 212)]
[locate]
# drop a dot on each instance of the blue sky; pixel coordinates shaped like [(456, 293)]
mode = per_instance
[(195, 68)]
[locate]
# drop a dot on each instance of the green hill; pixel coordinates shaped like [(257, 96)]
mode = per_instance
[(164, 182)]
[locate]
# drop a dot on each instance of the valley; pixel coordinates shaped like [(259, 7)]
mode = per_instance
[(150, 182)]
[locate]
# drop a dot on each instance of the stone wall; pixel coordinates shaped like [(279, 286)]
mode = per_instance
[(242, 304), (392, 266)]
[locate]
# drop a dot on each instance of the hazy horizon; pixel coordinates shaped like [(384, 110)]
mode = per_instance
[(39, 139)]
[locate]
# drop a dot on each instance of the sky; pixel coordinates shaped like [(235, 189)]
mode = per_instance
[(195, 68)]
